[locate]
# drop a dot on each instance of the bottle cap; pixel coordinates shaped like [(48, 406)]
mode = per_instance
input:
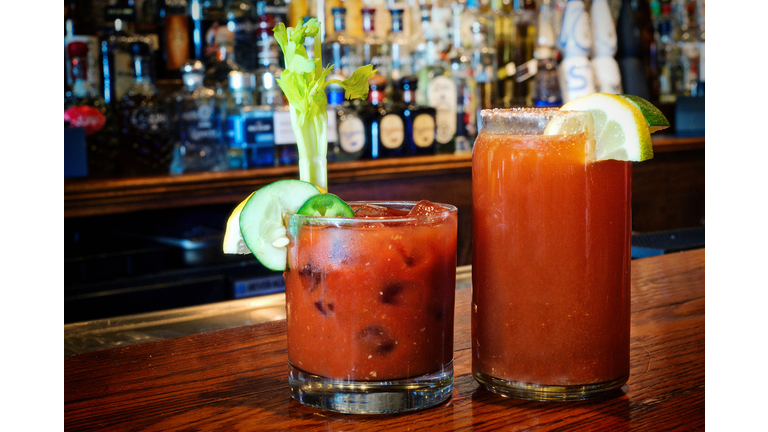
[(77, 49), (140, 49), (194, 67), (241, 80), (368, 11), (339, 10)]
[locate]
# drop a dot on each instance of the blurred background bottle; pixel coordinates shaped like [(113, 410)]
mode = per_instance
[(607, 75), (145, 118), (575, 43), (85, 108), (200, 119), (341, 49), (241, 20), (546, 85), (629, 52), (421, 128)]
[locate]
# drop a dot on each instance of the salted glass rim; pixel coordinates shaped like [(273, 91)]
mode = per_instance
[(526, 120), (319, 220)]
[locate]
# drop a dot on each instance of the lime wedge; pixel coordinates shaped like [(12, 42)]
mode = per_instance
[(655, 119), (620, 130), (261, 221), (327, 205)]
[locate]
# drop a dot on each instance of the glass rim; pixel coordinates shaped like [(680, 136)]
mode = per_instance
[(315, 220)]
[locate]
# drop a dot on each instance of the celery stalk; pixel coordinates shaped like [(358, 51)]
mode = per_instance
[(303, 82)]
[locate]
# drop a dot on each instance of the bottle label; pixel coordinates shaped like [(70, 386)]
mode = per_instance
[(258, 129), (201, 123), (392, 131), (352, 135), (423, 130), (177, 41), (283, 130), (443, 97), (87, 117), (123, 74), (150, 118)]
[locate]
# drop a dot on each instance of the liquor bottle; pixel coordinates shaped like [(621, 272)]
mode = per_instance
[(700, 15), (420, 121), (268, 67), (146, 127), (277, 9), (240, 95), (384, 126), (575, 43), (372, 49), (209, 19), (525, 44), (466, 87), (85, 108), (200, 118), (688, 42), (117, 69), (505, 23), (222, 63), (341, 49), (176, 38), (241, 21), (629, 52), (484, 67), (667, 52), (607, 75), (546, 86), (398, 51), (436, 87), (350, 143)]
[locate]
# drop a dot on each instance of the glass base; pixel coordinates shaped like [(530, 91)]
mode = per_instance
[(371, 397), (548, 393)]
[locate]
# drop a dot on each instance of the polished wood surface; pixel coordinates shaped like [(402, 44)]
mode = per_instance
[(91, 197), (236, 379)]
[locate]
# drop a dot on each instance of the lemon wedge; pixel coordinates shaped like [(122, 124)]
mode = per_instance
[(621, 132), (233, 238)]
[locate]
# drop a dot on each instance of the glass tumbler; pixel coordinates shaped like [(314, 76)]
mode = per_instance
[(370, 308), (551, 258)]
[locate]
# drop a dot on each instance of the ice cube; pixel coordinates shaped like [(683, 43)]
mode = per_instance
[(370, 210), (426, 208)]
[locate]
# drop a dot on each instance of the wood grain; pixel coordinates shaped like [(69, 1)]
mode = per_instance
[(236, 379)]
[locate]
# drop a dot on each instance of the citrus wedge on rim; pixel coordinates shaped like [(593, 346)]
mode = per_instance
[(233, 238), (621, 131), (653, 116), (257, 225)]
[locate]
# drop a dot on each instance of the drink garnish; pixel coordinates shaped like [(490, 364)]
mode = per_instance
[(303, 82), (622, 125), (257, 225), (326, 205)]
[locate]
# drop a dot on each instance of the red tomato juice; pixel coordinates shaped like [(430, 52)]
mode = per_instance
[(551, 262), (372, 301)]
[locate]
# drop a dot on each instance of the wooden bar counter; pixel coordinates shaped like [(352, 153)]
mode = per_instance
[(236, 379)]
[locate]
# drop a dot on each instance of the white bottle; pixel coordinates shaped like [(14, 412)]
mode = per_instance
[(575, 42), (607, 75)]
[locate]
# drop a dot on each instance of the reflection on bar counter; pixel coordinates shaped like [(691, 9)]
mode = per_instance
[(461, 56)]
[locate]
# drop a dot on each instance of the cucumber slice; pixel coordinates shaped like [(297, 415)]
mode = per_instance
[(262, 219), (327, 205)]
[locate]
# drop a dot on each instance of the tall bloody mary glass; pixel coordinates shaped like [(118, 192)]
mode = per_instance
[(370, 307), (551, 258)]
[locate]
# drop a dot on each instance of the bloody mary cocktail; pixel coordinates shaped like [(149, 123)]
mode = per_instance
[(370, 307), (551, 260)]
